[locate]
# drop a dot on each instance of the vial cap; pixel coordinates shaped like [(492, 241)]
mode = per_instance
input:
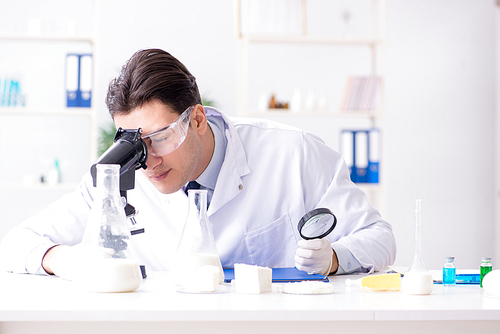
[(486, 259), (450, 258)]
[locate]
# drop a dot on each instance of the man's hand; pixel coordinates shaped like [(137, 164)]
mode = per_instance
[(60, 260), (316, 257), (66, 261)]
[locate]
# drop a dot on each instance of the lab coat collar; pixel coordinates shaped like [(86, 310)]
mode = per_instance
[(208, 178), (229, 183)]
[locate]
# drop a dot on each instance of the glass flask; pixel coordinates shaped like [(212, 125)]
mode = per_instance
[(197, 267), (417, 281), (111, 264)]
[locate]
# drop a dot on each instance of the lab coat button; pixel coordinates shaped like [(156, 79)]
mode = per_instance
[(240, 187)]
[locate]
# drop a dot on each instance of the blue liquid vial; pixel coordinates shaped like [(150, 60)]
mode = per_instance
[(449, 272)]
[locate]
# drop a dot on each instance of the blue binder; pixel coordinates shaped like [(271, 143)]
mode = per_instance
[(78, 80), (360, 149), (373, 156), (360, 167), (347, 149)]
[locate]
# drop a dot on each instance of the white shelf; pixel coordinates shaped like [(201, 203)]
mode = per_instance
[(46, 38), (313, 113), (299, 39), (304, 38), (38, 186), (47, 111)]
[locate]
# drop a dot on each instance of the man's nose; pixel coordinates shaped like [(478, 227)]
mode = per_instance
[(152, 162)]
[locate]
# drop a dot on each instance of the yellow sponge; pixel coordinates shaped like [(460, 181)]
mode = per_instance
[(385, 282)]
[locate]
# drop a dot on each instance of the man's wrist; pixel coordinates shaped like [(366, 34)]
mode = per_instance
[(46, 260), (335, 263)]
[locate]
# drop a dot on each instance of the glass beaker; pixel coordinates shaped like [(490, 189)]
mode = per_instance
[(197, 267), (417, 281), (111, 264)]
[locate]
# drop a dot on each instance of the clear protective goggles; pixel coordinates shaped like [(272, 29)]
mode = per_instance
[(166, 140)]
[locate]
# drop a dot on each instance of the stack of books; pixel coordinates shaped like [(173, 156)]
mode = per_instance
[(361, 94)]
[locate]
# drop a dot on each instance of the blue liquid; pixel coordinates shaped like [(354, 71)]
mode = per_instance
[(449, 276)]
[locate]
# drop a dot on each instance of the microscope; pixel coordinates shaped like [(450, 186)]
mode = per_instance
[(130, 152)]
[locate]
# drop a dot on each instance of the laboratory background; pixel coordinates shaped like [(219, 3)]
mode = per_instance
[(420, 74)]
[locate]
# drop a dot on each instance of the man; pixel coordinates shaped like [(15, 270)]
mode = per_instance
[(261, 177)]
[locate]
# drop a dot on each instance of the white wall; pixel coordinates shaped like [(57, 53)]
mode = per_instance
[(441, 127), (440, 104)]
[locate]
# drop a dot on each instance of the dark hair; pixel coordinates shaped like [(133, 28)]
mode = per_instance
[(152, 75)]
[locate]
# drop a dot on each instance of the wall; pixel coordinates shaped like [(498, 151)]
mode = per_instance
[(441, 127), (440, 105)]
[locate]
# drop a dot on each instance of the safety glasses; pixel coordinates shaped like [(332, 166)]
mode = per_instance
[(166, 140)]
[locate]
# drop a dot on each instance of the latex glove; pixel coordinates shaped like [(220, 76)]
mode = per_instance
[(66, 261), (314, 256)]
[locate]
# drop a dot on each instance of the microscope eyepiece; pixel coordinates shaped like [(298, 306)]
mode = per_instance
[(129, 151)]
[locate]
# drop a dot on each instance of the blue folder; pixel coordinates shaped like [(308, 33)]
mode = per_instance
[(360, 149), (78, 80), (283, 275)]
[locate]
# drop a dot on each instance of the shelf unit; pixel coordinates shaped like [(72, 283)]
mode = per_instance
[(376, 46), (89, 113)]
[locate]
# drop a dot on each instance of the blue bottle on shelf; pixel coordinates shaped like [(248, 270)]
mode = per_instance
[(449, 272)]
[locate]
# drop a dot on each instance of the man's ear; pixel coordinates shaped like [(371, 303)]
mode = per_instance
[(199, 119)]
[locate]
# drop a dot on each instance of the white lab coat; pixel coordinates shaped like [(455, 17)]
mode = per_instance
[(272, 175)]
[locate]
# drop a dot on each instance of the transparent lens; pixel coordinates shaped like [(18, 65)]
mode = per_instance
[(167, 140)]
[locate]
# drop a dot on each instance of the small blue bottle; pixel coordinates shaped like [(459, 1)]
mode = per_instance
[(449, 272)]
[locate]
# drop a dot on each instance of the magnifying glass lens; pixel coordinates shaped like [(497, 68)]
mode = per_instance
[(317, 224)]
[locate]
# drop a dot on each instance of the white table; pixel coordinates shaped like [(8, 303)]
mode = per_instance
[(43, 304)]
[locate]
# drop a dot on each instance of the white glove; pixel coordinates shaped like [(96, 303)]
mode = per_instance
[(67, 261), (314, 256)]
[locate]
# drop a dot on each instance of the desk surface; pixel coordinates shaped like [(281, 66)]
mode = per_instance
[(47, 304), (48, 298)]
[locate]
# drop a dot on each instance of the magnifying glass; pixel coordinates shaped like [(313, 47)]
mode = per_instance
[(317, 224)]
